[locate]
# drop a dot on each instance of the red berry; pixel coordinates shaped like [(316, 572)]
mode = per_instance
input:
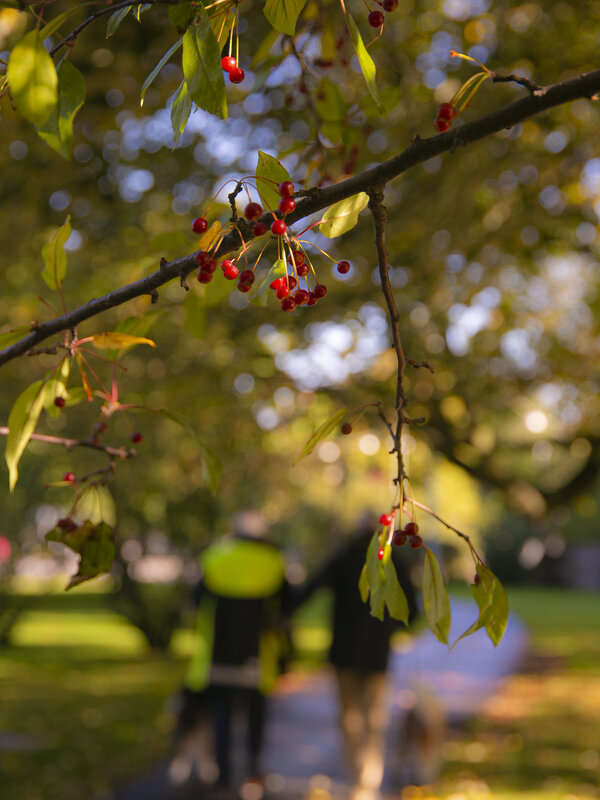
[(390, 5), (282, 291), (476, 579), (59, 402), (247, 276), (292, 282), (202, 258), (415, 541), (343, 267), (287, 205), (204, 276), (320, 291), (210, 266), (236, 75), (278, 227), (297, 258), (312, 300), (386, 519), (69, 477), (301, 297), (253, 211), (376, 19), (278, 282), (399, 537), (228, 63), (288, 304), (227, 264), (232, 273), (286, 189), (446, 111), (346, 428), (199, 225), (411, 529), (303, 270), (380, 553), (259, 229), (66, 524), (441, 124), (244, 287), (136, 437)]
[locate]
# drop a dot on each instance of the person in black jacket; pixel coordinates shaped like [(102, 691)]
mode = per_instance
[(359, 654)]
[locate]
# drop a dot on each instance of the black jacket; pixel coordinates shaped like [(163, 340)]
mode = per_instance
[(360, 641)]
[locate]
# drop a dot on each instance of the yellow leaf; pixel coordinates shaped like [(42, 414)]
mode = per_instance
[(117, 340), (210, 237)]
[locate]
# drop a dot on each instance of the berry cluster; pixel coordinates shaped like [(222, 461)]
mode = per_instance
[(287, 287), (445, 114), (229, 65), (377, 18), (409, 534)]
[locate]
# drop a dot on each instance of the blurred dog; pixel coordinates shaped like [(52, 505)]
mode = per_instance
[(420, 739), (193, 753)]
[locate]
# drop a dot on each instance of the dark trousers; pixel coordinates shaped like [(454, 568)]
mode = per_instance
[(250, 704)]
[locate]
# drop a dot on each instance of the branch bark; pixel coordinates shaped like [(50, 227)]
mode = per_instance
[(582, 86)]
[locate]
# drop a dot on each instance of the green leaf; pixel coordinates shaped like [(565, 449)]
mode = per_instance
[(58, 130), (261, 295), (324, 429), (32, 79), (395, 598), (57, 387), (13, 335), (269, 174), (211, 468), (96, 503), (95, 543), (22, 420), (363, 584), (343, 216), (55, 258), (211, 463), (55, 24), (283, 14), (365, 61), (330, 104), (436, 602), (264, 48), (173, 49), (115, 20), (378, 597), (202, 68), (119, 341), (492, 601), (181, 108), (180, 16)]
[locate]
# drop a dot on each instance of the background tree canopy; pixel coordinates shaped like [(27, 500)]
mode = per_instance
[(493, 252)]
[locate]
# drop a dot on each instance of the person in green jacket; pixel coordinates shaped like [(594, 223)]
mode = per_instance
[(242, 599)]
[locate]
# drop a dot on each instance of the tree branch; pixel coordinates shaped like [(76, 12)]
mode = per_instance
[(68, 444), (420, 150)]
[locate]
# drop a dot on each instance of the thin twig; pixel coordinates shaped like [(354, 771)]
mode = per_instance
[(520, 79), (119, 452), (439, 519)]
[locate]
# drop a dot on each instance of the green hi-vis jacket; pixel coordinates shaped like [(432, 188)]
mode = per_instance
[(239, 643)]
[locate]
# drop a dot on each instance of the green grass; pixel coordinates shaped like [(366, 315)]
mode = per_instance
[(86, 704)]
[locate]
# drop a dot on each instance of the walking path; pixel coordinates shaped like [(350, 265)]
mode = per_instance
[(304, 746)]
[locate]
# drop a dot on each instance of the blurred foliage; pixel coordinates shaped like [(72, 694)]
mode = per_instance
[(494, 253)]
